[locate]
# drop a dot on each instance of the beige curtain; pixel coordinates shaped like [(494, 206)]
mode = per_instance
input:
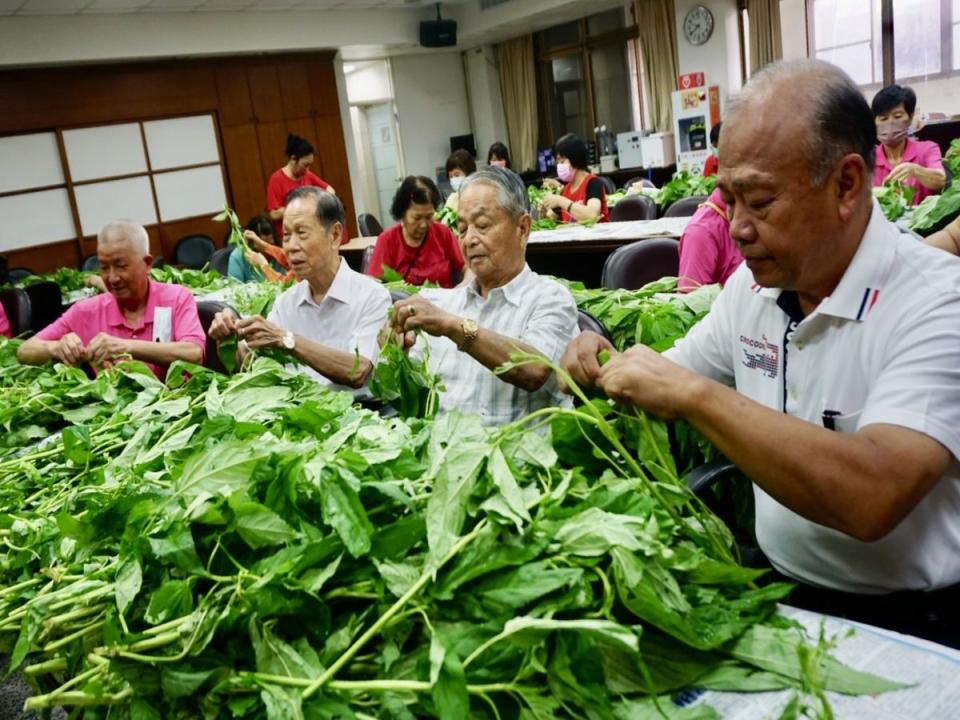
[(518, 86), (766, 41), (657, 24)]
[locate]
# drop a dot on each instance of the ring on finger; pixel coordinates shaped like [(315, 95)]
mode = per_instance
[(413, 310)]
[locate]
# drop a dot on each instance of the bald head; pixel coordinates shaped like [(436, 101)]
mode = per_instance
[(124, 232), (811, 105)]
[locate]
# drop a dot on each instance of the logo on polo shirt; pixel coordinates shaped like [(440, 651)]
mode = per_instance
[(761, 355)]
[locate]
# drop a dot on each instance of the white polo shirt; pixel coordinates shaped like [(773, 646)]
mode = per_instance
[(884, 348), (347, 319), (532, 308)]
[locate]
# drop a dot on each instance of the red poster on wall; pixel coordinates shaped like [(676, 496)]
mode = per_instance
[(691, 80)]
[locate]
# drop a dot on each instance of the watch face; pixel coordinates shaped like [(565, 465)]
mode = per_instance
[(698, 25), (288, 341)]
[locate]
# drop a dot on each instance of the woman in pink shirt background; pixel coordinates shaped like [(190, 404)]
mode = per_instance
[(915, 163), (707, 252)]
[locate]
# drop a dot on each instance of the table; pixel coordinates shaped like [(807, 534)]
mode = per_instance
[(574, 252)]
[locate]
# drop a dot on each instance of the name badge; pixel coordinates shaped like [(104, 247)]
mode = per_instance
[(162, 324)]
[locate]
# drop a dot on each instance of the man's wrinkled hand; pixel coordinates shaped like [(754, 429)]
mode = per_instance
[(645, 379), (69, 350), (224, 325), (580, 360), (104, 349), (416, 313), (259, 333)]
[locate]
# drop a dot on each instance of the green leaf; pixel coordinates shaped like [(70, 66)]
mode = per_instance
[(530, 630), (260, 527), (182, 683), (177, 549), (30, 628), (314, 579), (448, 683), (143, 709), (506, 483), (341, 506), (128, 583), (76, 444), (399, 577), (282, 703), (527, 583), (219, 470), (174, 599)]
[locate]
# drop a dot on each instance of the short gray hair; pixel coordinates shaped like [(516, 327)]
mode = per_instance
[(511, 192), (125, 231), (841, 120), (329, 208)]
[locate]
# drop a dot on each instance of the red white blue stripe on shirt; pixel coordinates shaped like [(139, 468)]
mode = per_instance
[(869, 300)]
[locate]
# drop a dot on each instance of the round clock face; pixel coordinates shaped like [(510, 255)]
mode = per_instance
[(698, 25)]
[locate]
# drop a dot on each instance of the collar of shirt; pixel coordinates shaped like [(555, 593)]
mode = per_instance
[(115, 317), (339, 289), (861, 283), (511, 292)]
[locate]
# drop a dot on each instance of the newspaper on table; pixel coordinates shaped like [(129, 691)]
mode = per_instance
[(932, 670)]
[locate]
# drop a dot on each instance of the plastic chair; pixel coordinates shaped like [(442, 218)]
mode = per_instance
[(685, 207), (16, 304), (587, 321), (193, 251), (369, 225), (91, 263), (634, 207), (644, 181), (365, 259), (46, 304), (609, 185), (19, 273), (207, 310), (220, 260), (633, 266)]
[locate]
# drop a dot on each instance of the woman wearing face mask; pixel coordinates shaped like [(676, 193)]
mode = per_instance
[(900, 158), (499, 156), (584, 196), (418, 248), (296, 173), (712, 163), (460, 163)]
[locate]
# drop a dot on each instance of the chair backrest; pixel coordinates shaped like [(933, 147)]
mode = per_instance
[(16, 304), (220, 260), (365, 259), (193, 251), (634, 207), (207, 310), (645, 182), (369, 225), (398, 295), (685, 207), (158, 262), (633, 266), (46, 304), (587, 321), (609, 185), (17, 274), (91, 263)]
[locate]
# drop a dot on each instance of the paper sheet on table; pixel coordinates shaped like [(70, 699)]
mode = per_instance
[(934, 668), (634, 230)]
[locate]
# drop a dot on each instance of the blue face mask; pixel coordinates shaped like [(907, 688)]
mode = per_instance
[(456, 181)]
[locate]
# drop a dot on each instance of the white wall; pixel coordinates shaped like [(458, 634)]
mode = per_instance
[(719, 57), (486, 102), (431, 103), (369, 83)]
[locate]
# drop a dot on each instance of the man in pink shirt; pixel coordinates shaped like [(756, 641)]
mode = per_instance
[(707, 252), (139, 318)]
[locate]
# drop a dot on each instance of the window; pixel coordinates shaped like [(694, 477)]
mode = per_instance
[(588, 76), (925, 41)]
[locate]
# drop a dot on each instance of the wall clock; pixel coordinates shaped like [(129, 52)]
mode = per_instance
[(698, 25)]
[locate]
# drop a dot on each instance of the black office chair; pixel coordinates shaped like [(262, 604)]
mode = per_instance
[(158, 262), (369, 225), (609, 185), (220, 260), (365, 259), (19, 273), (193, 251), (646, 182), (90, 264), (633, 266), (685, 207), (16, 305), (634, 207), (46, 304), (207, 310), (587, 321)]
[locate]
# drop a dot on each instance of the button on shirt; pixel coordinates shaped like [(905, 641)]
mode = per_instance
[(88, 318), (536, 310), (347, 319), (884, 348)]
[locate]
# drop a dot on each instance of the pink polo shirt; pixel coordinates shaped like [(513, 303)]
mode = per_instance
[(87, 318), (4, 323), (707, 252), (922, 152)]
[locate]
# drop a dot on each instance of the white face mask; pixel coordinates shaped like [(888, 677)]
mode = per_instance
[(456, 181)]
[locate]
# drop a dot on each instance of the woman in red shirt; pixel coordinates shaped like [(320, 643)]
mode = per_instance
[(418, 248), (584, 196), (296, 173)]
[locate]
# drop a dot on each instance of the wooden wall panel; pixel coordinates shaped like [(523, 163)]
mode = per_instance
[(256, 101)]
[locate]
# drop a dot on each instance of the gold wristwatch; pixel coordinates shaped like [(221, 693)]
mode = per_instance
[(470, 330)]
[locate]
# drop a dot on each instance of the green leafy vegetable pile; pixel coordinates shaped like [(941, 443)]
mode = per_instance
[(935, 211), (448, 216), (952, 158), (684, 184), (68, 279), (259, 547), (894, 199)]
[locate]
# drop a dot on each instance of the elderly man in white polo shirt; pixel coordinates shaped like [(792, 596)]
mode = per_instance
[(330, 319), (841, 337), (473, 329)]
